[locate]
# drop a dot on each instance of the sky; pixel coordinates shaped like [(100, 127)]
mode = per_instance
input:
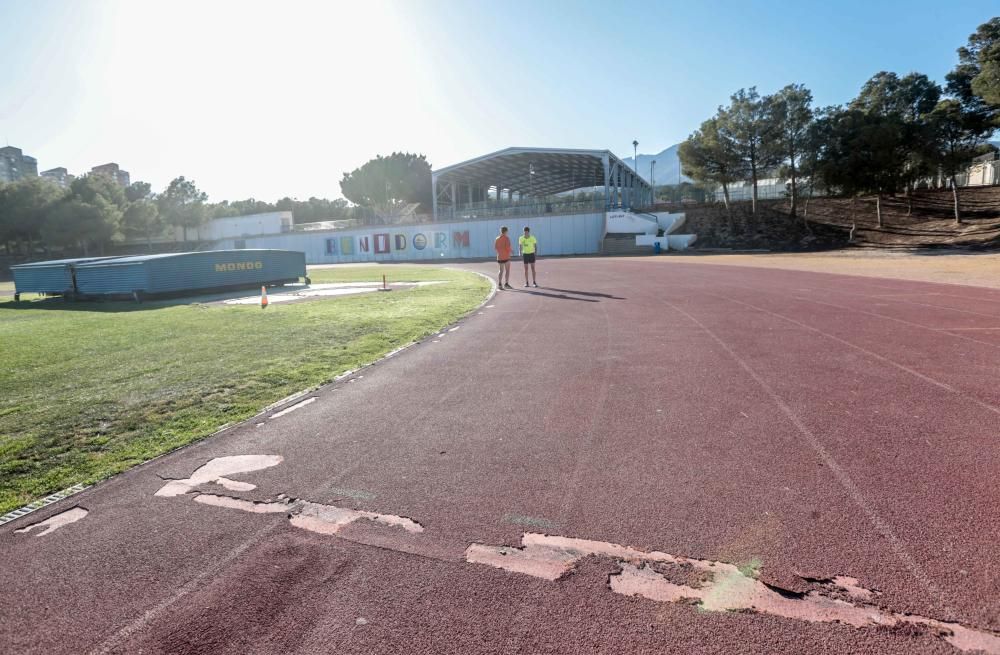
[(273, 99)]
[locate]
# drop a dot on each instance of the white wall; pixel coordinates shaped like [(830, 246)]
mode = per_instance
[(670, 222), (239, 226), (672, 242), (629, 223), (574, 234)]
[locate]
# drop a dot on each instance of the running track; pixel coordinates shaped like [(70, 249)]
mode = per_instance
[(816, 425)]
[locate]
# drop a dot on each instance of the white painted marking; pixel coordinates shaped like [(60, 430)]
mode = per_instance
[(56, 521), (454, 328), (298, 405), (315, 517), (220, 467), (235, 485), (329, 519), (243, 505)]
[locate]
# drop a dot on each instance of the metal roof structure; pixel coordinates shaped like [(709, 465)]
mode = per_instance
[(516, 179)]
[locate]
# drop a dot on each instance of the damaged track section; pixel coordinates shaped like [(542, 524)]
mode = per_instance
[(55, 521), (315, 517), (216, 471), (715, 586)]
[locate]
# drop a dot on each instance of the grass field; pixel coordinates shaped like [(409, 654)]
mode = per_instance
[(90, 389)]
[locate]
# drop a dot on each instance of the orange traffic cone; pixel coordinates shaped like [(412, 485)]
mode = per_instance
[(263, 297)]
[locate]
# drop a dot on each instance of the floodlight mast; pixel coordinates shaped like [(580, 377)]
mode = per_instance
[(635, 169), (652, 184)]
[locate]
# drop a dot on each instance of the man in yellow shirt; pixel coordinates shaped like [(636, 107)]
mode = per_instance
[(527, 247)]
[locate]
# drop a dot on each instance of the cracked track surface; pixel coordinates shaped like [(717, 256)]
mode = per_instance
[(798, 425)]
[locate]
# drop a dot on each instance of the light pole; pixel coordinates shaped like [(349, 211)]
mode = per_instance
[(531, 181), (652, 184), (635, 164)]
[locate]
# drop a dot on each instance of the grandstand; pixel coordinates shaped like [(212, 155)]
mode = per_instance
[(536, 182)]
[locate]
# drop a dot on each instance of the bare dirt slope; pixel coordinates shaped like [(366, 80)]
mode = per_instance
[(924, 220)]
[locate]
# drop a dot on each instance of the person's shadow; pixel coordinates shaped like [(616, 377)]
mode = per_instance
[(587, 293), (560, 296)]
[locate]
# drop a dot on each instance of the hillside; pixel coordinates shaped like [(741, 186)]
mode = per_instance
[(930, 222), (924, 222)]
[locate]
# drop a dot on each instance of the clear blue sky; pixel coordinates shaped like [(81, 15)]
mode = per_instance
[(272, 99)]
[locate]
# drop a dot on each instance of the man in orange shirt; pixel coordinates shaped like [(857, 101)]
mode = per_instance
[(504, 249)]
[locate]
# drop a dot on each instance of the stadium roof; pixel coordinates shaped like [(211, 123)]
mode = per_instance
[(487, 185), (555, 170)]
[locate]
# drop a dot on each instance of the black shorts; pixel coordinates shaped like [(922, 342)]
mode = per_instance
[(502, 261), (529, 257)]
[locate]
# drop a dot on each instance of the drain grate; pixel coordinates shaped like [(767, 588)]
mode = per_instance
[(44, 502)]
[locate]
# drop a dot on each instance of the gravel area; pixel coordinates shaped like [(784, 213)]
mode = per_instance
[(980, 269)]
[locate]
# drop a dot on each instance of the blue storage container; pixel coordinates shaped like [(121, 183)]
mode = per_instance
[(51, 277), (178, 273)]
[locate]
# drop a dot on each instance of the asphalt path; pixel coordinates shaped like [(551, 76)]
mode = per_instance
[(800, 425)]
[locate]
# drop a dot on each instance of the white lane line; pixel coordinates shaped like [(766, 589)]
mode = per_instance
[(298, 405)]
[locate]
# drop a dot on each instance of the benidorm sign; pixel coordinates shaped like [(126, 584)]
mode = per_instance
[(238, 266), (383, 243)]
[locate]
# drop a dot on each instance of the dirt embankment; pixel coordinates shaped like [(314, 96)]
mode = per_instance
[(924, 220)]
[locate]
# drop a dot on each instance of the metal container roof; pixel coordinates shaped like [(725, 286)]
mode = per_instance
[(59, 262), (52, 276)]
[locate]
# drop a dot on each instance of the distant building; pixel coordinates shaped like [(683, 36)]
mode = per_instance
[(239, 227), (15, 165), (113, 171), (58, 175)]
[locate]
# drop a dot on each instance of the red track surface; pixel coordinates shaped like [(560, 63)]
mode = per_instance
[(823, 425)]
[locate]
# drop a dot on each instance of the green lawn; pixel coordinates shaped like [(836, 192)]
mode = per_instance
[(90, 389)]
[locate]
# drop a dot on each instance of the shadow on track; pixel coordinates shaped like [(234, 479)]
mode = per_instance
[(560, 296), (586, 293)]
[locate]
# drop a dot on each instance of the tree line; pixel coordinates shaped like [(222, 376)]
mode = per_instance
[(91, 212), (895, 133), (95, 211)]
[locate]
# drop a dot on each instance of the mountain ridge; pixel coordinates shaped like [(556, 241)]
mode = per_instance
[(667, 169)]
